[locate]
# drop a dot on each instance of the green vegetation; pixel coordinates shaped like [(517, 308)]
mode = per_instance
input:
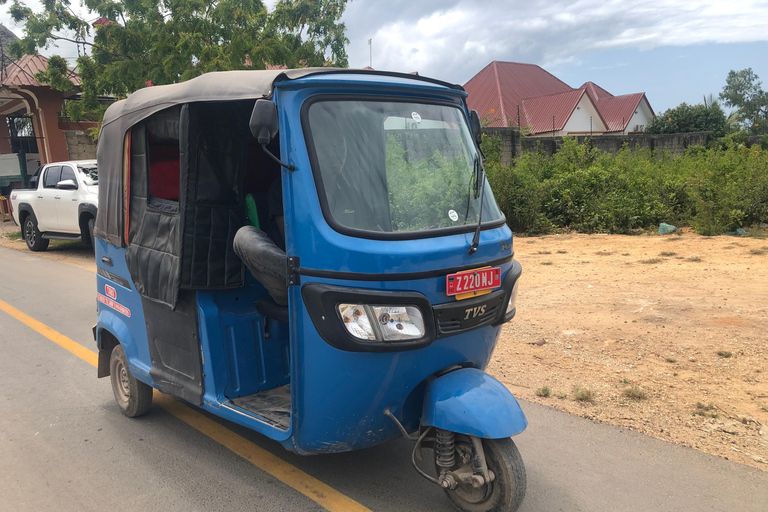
[(15, 235), (156, 43), (705, 410), (543, 392), (724, 354), (582, 394), (743, 90), (635, 393), (684, 118), (715, 190)]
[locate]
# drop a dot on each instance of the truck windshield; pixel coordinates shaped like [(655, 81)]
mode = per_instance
[(396, 166), (90, 174)]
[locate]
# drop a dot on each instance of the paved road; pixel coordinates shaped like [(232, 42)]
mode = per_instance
[(65, 446)]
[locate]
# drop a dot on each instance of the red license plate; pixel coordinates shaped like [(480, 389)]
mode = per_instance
[(472, 280)]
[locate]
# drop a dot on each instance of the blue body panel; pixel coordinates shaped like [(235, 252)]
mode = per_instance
[(469, 401), (129, 330), (338, 397)]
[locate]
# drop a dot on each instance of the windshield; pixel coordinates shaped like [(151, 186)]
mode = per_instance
[(90, 174), (396, 166)]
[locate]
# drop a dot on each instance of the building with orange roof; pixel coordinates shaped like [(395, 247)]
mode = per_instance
[(526, 96), (30, 115)]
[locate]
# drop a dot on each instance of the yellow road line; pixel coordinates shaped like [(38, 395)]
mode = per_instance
[(290, 475), (80, 351)]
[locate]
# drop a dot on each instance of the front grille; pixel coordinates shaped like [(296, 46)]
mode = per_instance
[(460, 316)]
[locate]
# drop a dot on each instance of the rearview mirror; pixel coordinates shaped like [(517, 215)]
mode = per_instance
[(66, 185), (477, 128), (264, 124)]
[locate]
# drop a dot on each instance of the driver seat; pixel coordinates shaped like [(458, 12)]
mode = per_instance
[(268, 264)]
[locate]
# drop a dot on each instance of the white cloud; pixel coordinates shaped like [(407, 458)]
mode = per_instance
[(456, 38)]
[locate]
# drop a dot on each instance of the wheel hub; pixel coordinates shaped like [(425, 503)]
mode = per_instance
[(30, 232), (123, 382)]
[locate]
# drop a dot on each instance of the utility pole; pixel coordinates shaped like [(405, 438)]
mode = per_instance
[(370, 53)]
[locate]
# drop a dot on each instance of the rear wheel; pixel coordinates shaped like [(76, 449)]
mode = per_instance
[(505, 492), (133, 396), (33, 236)]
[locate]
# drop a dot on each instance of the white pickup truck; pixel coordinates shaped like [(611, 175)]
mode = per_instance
[(61, 204)]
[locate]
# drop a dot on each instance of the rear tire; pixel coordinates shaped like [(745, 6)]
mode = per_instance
[(132, 396), (506, 492), (33, 236)]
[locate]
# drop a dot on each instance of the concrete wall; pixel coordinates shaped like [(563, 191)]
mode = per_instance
[(80, 145), (513, 145)]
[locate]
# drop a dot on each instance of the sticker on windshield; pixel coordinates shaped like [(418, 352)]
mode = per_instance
[(416, 117), (453, 215)]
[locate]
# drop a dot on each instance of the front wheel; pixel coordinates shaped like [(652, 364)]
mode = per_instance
[(33, 236), (505, 492), (133, 396)]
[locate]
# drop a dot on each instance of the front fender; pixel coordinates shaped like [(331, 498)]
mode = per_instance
[(469, 401)]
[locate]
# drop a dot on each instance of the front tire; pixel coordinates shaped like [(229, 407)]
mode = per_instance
[(132, 396), (33, 236), (507, 490)]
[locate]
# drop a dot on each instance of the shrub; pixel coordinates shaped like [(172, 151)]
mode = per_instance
[(715, 190)]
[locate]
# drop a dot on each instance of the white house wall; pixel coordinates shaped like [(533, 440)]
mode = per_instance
[(640, 119), (578, 123)]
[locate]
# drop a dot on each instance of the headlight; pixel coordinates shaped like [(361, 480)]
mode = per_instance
[(512, 297), (382, 323)]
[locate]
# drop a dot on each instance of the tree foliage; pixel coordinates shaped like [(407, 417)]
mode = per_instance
[(744, 92), (156, 42), (684, 118)]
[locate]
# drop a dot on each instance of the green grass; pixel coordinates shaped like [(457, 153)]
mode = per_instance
[(582, 394), (543, 392), (15, 235), (651, 261), (635, 393), (724, 354), (693, 258), (757, 252), (705, 410), (668, 253)]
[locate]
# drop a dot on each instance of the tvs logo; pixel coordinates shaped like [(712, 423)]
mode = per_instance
[(474, 312), (111, 292)]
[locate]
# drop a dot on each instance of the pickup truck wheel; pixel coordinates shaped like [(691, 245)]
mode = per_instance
[(33, 237), (88, 235), (132, 396)]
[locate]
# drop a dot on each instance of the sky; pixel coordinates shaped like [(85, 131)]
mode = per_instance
[(674, 51)]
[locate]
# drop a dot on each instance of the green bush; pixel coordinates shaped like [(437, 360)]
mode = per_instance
[(715, 189)]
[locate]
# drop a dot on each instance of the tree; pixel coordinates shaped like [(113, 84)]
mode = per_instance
[(744, 92), (137, 43), (684, 118)]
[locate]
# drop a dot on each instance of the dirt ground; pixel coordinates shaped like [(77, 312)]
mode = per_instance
[(666, 333)]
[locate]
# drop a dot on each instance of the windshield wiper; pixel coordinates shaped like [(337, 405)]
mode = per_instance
[(480, 177)]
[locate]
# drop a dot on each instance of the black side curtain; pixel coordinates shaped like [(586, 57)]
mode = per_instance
[(214, 149)]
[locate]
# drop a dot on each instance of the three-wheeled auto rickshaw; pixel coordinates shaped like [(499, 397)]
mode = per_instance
[(314, 254)]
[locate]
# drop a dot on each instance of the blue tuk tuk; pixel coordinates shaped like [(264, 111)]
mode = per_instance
[(316, 255)]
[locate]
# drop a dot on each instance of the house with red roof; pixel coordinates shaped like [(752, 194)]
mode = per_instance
[(526, 96)]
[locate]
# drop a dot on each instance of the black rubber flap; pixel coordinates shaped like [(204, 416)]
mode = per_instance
[(174, 347)]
